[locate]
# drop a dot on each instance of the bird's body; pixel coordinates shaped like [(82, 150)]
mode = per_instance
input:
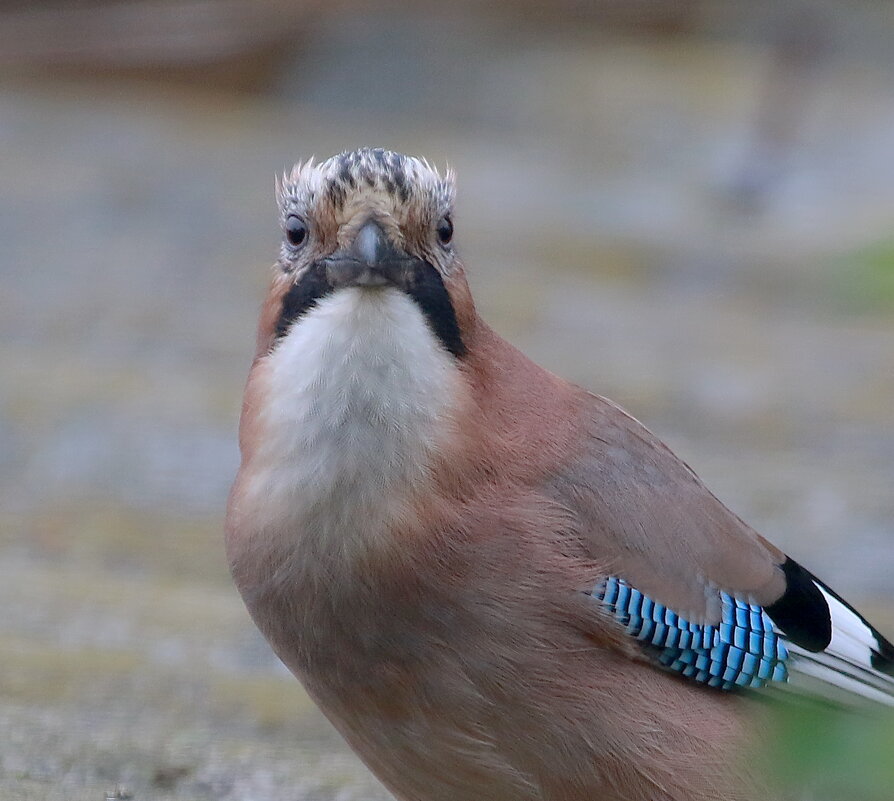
[(440, 538)]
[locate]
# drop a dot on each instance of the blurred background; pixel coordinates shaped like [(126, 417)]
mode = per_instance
[(686, 206)]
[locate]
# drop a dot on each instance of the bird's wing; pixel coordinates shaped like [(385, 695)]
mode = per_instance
[(705, 594)]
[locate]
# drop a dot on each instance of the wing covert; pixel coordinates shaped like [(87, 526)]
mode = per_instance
[(645, 513), (743, 650)]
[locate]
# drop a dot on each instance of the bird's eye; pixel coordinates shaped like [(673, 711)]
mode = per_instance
[(445, 230), (296, 230)]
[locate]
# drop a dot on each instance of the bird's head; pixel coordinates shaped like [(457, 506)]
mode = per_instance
[(372, 220)]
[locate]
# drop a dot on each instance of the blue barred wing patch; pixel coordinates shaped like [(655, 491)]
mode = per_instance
[(743, 650)]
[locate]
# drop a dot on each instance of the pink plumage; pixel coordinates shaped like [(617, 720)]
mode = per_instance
[(423, 519)]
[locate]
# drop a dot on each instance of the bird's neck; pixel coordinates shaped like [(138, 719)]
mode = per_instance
[(358, 397)]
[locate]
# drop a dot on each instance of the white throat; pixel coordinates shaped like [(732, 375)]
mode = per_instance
[(359, 394)]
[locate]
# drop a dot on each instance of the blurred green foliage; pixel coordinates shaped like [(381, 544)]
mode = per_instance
[(838, 754), (869, 278)]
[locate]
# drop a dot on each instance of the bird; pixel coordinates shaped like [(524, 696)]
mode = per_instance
[(497, 585)]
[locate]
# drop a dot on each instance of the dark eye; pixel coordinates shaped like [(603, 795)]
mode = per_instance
[(445, 230), (296, 231)]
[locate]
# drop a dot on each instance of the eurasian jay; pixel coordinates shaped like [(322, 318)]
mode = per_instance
[(496, 585)]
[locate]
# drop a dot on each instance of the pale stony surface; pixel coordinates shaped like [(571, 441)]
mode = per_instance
[(599, 220)]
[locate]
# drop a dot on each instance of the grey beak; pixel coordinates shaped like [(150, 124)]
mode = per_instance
[(372, 260), (371, 246)]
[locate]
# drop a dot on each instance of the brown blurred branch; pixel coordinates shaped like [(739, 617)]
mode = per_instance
[(146, 36)]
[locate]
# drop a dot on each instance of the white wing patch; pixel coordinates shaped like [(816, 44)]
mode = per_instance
[(848, 665)]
